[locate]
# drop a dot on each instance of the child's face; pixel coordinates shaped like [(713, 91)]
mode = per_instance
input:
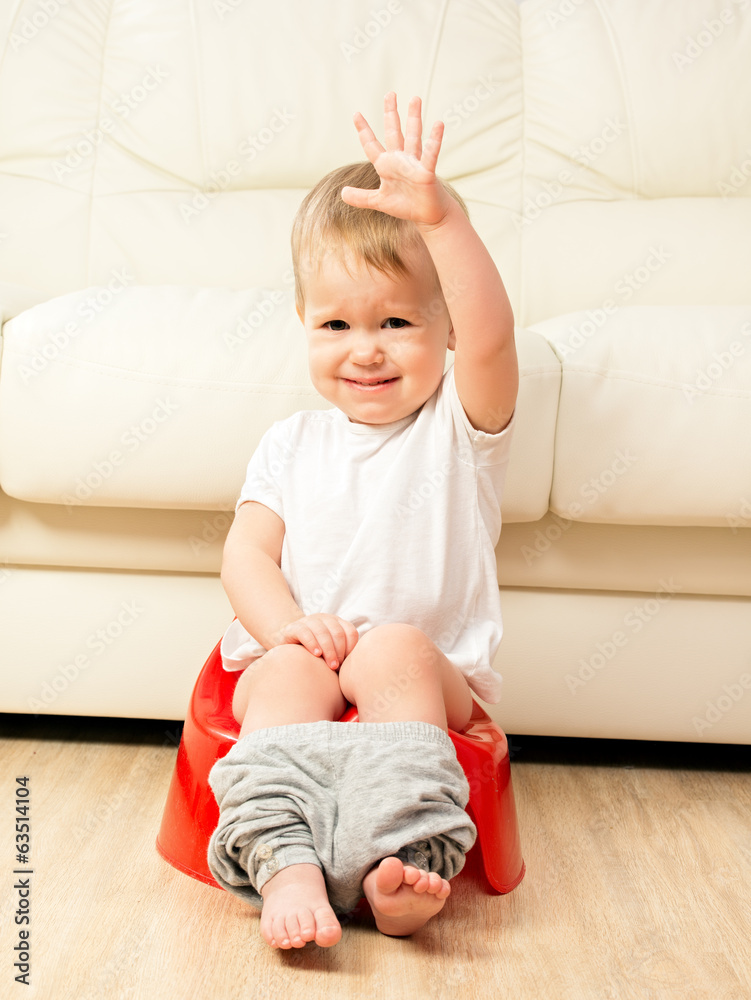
[(365, 326)]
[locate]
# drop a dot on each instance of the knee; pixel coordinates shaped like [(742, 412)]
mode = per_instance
[(404, 646), (290, 663), (287, 667)]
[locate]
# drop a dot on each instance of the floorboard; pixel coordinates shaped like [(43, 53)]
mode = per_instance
[(638, 883)]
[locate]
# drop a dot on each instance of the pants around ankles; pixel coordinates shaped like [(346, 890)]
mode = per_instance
[(342, 796)]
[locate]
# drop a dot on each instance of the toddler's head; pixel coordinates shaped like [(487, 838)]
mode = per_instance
[(368, 294)]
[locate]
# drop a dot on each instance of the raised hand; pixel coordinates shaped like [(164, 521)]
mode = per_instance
[(409, 187)]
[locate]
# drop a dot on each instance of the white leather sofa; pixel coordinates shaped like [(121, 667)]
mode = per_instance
[(151, 159)]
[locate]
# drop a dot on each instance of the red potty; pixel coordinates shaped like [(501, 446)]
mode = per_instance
[(191, 813)]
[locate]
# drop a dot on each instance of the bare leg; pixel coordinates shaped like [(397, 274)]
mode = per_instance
[(289, 685), (394, 674)]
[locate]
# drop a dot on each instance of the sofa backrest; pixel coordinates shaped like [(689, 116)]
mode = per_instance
[(604, 146)]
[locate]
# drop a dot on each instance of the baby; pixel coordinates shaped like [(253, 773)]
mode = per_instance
[(361, 562)]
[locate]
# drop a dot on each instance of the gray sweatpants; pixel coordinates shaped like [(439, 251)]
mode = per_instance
[(340, 795)]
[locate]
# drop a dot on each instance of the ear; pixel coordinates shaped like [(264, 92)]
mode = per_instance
[(452, 340)]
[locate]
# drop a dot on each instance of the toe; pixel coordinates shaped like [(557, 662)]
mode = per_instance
[(307, 927), (267, 931), (422, 883), (390, 874), (292, 930), (411, 874), (435, 882), (328, 928), (280, 937)]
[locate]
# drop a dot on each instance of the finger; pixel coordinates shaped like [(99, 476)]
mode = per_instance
[(358, 197), (327, 646), (340, 638), (352, 636), (371, 146), (432, 147), (392, 127), (304, 636), (329, 638), (413, 131)]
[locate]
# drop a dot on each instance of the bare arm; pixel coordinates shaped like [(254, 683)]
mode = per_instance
[(252, 577), (486, 367), (260, 597)]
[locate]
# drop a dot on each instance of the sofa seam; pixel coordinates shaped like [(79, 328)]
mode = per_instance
[(12, 21), (646, 380), (127, 376), (92, 183), (617, 56), (436, 49), (199, 93)]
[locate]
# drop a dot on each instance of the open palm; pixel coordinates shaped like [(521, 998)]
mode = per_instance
[(409, 187)]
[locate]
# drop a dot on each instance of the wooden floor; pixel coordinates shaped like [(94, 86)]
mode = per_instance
[(638, 884)]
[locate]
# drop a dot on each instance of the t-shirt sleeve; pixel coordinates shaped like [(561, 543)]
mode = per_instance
[(263, 479), (475, 447)]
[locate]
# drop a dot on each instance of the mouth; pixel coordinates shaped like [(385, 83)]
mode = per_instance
[(370, 383)]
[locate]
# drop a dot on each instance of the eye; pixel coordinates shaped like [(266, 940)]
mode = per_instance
[(336, 325), (395, 323)]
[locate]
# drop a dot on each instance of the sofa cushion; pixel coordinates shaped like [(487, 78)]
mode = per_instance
[(156, 396), (179, 145), (15, 299), (654, 414)]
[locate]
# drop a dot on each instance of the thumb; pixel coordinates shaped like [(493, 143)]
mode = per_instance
[(358, 197)]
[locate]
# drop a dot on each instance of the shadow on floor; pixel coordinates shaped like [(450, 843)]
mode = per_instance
[(91, 729), (523, 749), (629, 753)]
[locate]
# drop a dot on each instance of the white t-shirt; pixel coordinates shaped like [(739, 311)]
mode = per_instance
[(389, 523)]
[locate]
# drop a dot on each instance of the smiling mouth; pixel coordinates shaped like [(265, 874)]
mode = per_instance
[(370, 382)]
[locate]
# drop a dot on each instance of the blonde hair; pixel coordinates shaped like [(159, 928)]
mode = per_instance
[(325, 224)]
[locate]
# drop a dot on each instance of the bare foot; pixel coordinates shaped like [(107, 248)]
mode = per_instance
[(296, 909), (402, 897)]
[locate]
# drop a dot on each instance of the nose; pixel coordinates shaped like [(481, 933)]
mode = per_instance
[(365, 347)]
